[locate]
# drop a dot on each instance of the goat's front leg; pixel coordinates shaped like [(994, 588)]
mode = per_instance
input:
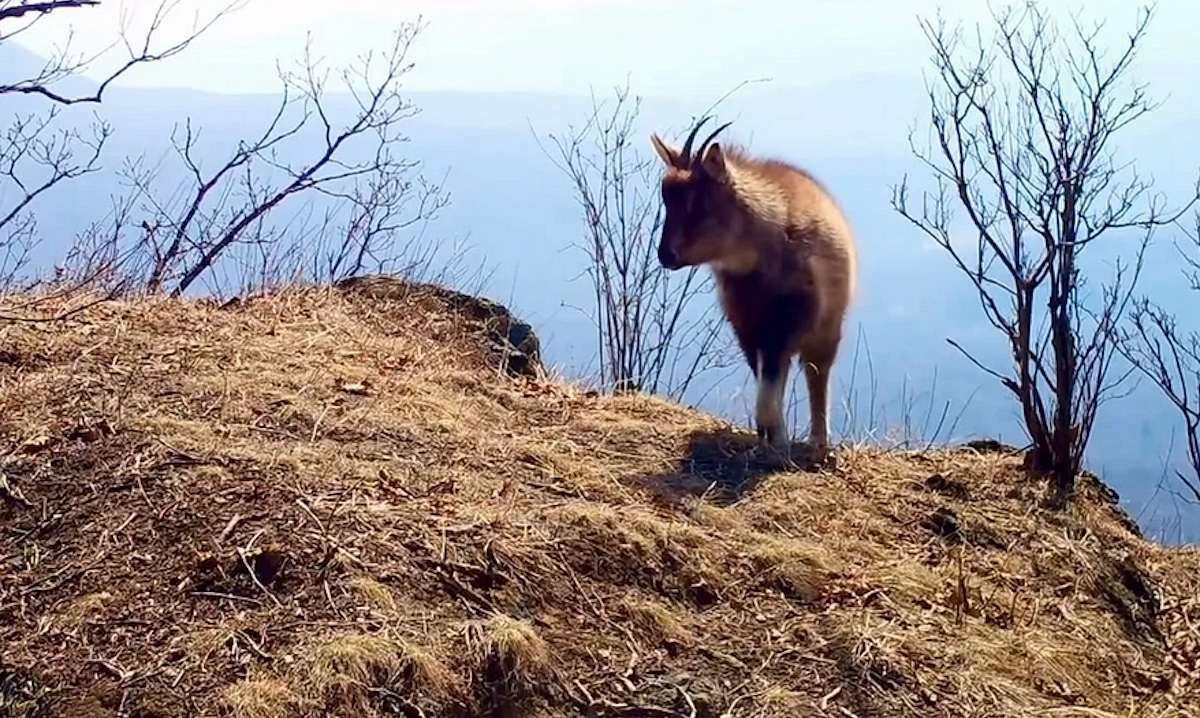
[(772, 374)]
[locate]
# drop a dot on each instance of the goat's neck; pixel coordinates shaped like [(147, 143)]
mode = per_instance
[(758, 252)]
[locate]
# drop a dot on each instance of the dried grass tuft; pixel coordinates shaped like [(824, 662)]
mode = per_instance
[(654, 622), (262, 698), (799, 570), (77, 613), (509, 652), (350, 673), (374, 593)]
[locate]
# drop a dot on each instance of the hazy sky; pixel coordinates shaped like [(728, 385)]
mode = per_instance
[(701, 46)]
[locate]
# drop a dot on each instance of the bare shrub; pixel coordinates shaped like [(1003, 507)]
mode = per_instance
[(654, 332), (1169, 355), (1023, 125), (40, 152)]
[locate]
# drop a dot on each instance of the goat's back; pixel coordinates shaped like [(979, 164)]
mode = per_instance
[(820, 233)]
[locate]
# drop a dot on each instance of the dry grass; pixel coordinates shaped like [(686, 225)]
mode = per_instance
[(511, 663), (261, 699), (318, 504), (350, 671)]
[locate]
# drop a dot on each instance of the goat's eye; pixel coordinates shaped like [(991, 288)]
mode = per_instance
[(682, 200)]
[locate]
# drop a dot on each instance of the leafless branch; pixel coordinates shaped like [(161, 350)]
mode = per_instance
[(39, 154), (1022, 134), (339, 151), (1169, 355), (654, 332), (141, 50), (9, 11)]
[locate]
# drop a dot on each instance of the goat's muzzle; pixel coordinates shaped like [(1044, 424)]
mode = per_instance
[(667, 257)]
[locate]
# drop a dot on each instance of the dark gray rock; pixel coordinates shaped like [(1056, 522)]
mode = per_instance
[(511, 342)]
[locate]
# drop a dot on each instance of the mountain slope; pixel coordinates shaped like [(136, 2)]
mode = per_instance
[(325, 503)]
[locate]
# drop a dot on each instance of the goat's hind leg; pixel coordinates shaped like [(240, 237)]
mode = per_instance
[(817, 372)]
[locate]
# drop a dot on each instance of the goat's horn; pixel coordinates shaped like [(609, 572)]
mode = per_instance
[(704, 144), (685, 155)]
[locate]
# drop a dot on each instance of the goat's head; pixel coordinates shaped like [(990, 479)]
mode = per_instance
[(702, 216)]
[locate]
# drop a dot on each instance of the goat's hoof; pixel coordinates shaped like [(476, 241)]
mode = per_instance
[(823, 456), (773, 442)]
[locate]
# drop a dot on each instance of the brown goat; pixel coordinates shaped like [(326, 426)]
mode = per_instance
[(785, 263)]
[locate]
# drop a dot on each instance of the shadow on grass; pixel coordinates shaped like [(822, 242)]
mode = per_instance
[(723, 467)]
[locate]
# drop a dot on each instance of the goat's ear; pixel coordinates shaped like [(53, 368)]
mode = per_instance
[(714, 162), (668, 153)]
